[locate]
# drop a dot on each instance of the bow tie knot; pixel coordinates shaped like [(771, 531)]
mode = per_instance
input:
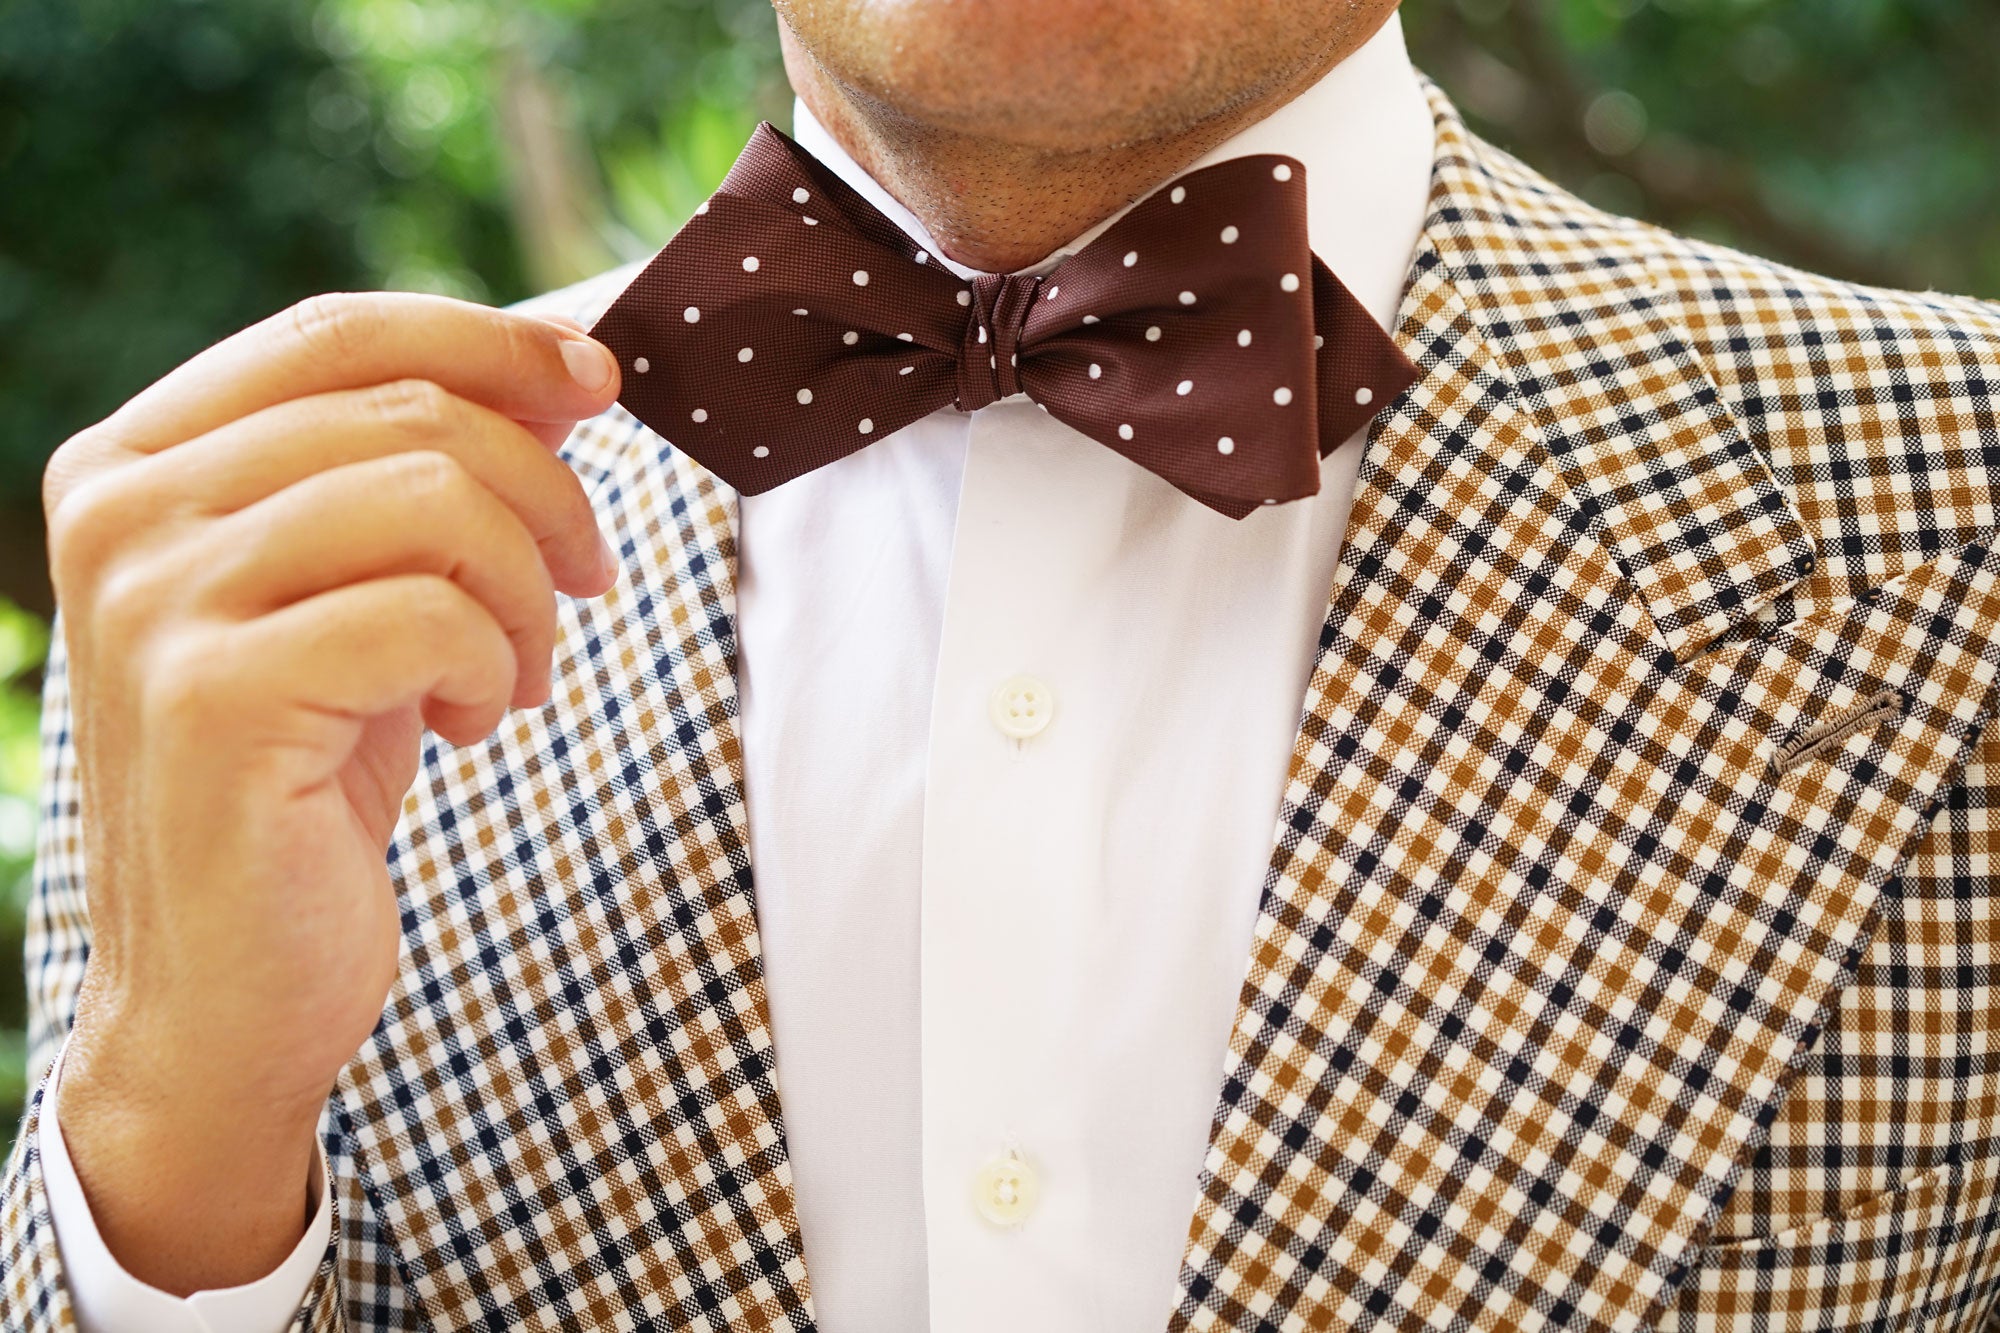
[(989, 362)]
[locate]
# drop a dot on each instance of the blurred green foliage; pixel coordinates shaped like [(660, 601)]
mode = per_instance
[(1853, 137), (23, 642), (171, 170)]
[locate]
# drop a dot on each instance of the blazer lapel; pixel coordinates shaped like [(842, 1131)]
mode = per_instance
[(568, 1117), (1558, 899), (1629, 417)]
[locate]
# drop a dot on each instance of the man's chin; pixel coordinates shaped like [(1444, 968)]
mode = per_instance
[(1054, 76)]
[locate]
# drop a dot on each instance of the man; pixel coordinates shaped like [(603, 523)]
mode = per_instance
[(1533, 875)]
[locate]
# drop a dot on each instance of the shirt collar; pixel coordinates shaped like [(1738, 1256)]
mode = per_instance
[(1364, 132)]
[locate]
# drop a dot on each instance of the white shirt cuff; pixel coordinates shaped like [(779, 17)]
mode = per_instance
[(107, 1299)]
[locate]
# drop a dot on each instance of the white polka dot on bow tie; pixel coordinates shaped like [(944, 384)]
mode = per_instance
[(1290, 282), (1090, 319), (1013, 358), (692, 314), (906, 370), (1125, 432), (1225, 445), (810, 222), (860, 277), (1152, 333), (1364, 395), (1281, 395), (1180, 193), (1131, 258), (1052, 292), (805, 396), (1281, 172), (1229, 235), (1184, 388), (965, 298), (906, 337), (699, 414), (982, 333), (799, 196), (749, 263), (923, 256), (992, 362), (800, 311), (745, 354), (761, 451), (641, 364), (850, 337), (867, 424), (1187, 298), (1243, 337), (1096, 371), (1318, 342), (701, 208)]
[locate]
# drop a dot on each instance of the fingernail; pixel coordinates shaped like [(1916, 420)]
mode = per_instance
[(607, 557), (589, 364)]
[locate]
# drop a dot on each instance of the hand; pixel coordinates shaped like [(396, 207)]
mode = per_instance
[(277, 565)]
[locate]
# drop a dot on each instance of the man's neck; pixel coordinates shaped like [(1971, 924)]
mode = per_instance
[(998, 206)]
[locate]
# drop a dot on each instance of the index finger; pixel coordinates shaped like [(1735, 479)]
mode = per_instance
[(530, 369)]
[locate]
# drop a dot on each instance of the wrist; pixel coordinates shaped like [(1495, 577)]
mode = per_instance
[(192, 1187)]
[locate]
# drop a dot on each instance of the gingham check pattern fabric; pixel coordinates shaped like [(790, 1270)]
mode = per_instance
[(1587, 992)]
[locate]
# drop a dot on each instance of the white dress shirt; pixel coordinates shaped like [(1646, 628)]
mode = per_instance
[(1017, 718)]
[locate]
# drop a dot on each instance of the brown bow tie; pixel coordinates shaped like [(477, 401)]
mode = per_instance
[(789, 324)]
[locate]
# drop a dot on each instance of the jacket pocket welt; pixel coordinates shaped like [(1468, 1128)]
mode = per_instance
[(1921, 1257)]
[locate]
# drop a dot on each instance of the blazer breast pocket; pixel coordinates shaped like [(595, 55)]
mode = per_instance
[(1921, 1258)]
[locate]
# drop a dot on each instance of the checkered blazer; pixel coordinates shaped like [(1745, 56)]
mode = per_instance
[(1628, 945)]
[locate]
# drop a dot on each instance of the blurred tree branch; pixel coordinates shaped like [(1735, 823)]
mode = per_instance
[(555, 193)]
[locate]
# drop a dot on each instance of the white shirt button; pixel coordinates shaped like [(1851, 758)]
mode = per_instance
[(1021, 707), (1005, 1190)]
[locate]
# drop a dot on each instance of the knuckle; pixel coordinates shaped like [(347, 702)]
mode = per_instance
[(418, 408), (65, 470), (528, 349), (435, 606), (126, 599), (338, 325), (96, 516), (430, 477), (186, 683), (444, 614)]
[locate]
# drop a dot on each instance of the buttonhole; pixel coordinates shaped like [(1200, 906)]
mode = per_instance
[(1824, 736)]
